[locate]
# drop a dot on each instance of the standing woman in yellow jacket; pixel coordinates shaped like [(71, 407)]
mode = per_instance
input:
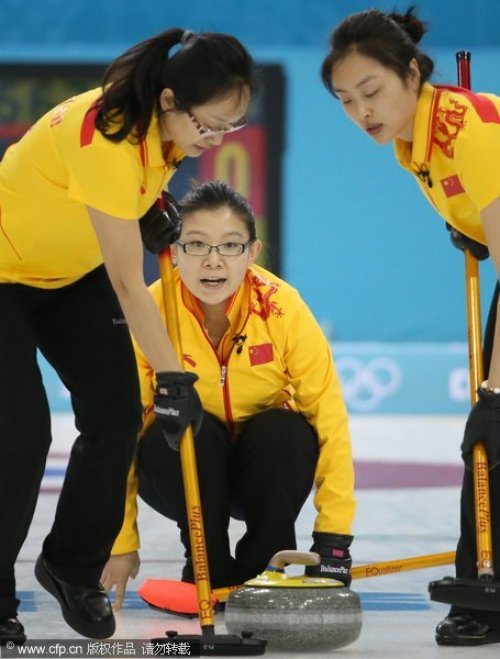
[(274, 417), (71, 284), (449, 139)]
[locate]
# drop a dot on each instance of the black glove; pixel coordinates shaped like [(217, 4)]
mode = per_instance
[(161, 225), (462, 242), (176, 405), (483, 425), (336, 561)]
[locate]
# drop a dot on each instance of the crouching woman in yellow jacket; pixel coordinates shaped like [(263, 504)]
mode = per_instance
[(274, 417)]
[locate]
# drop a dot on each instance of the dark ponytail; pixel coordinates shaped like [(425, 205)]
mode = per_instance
[(413, 26), (205, 67), (390, 39)]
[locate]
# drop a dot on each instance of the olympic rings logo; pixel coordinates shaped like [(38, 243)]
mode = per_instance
[(366, 384), (458, 385)]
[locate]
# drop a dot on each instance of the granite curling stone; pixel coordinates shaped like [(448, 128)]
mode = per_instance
[(295, 613)]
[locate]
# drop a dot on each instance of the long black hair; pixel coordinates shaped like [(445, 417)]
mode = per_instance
[(390, 38), (204, 67)]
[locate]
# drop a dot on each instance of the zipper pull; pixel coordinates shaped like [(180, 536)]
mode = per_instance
[(223, 375)]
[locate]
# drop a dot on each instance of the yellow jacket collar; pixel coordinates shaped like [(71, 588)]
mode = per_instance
[(419, 150), (236, 306)]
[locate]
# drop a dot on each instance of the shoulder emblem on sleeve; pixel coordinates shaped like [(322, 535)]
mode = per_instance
[(59, 112)]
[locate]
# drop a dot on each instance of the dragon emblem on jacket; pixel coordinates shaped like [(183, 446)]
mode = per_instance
[(449, 122), (262, 305)]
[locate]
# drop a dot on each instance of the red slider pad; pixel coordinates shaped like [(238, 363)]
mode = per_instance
[(173, 596)]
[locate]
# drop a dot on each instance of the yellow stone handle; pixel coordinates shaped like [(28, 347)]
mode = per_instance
[(291, 556)]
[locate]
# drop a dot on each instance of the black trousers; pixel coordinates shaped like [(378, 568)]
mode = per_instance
[(81, 332), (264, 478), (466, 561)]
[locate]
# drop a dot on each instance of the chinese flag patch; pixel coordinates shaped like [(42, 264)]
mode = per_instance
[(261, 354), (452, 186)]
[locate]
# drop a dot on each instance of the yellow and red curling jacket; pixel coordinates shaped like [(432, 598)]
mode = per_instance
[(455, 154), (274, 354), (59, 167)]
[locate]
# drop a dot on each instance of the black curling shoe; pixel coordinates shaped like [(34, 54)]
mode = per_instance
[(465, 630), (86, 609), (11, 631)]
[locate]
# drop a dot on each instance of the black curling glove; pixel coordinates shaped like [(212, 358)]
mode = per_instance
[(161, 225), (176, 405), (462, 242), (336, 561)]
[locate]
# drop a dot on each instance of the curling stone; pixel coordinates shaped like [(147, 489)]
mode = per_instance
[(295, 612)]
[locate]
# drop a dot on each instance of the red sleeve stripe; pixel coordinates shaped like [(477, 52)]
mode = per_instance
[(485, 108), (143, 149), (88, 125)]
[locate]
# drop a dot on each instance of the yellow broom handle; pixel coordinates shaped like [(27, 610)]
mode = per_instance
[(402, 565), (188, 457), (381, 569), (479, 456)]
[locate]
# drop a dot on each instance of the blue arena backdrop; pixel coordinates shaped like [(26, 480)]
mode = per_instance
[(250, 160), (380, 378)]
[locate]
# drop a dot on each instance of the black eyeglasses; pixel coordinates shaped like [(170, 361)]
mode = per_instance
[(206, 131), (197, 248)]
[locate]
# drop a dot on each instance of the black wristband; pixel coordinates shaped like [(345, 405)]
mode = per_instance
[(340, 540)]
